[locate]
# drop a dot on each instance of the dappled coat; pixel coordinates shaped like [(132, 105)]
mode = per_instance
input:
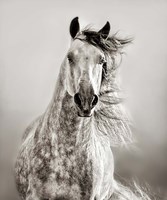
[(66, 153)]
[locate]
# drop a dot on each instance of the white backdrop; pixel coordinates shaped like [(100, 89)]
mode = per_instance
[(34, 38)]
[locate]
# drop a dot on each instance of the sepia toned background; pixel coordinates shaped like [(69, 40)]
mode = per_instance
[(34, 38)]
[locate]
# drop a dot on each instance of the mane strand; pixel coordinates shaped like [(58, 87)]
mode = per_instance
[(110, 45)]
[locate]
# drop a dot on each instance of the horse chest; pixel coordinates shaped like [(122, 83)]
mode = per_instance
[(67, 172), (82, 174), (71, 166)]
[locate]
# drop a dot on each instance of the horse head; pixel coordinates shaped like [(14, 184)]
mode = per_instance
[(85, 65)]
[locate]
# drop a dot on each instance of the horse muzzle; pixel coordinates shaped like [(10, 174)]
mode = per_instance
[(85, 104)]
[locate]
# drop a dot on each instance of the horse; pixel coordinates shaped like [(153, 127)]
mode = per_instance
[(66, 153)]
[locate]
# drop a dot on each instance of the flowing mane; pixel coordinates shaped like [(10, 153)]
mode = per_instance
[(110, 45)]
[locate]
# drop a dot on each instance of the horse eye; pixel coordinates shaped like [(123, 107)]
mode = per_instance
[(104, 69), (105, 65), (70, 59), (101, 60)]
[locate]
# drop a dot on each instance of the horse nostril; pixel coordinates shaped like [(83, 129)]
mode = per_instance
[(95, 100), (77, 99), (86, 112)]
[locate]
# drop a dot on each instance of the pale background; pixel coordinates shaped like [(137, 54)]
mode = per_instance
[(34, 38)]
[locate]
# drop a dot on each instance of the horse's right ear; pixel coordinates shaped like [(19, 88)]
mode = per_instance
[(74, 27)]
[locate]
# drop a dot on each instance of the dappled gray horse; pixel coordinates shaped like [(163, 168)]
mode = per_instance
[(66, 153)]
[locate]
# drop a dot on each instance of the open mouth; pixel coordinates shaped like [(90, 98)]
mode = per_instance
[(84, 115)]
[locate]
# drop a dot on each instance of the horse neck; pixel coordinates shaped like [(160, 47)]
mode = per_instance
[(60, 117)]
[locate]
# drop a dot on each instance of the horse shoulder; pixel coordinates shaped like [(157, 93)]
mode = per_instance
[(22, 161)]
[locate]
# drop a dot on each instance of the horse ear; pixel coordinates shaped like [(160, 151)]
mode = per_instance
[(74, 27), (105, 30)]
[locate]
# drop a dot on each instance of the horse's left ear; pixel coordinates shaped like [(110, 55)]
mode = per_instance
[(74, 27), (105, 30)]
